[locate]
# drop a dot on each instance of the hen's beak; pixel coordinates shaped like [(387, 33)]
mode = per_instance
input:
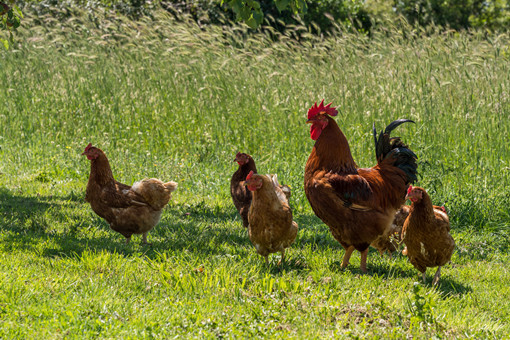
[(309, 121), (83, 153)]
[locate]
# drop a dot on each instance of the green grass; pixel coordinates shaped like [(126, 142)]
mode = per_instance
[(170, 100)]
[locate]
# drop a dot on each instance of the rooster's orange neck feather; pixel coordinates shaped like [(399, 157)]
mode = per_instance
[(331, 151)]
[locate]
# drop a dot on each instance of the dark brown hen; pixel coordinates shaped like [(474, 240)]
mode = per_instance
[(426, 234), (241, 196)]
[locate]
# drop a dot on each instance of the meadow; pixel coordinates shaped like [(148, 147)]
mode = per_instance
[(168, 99)]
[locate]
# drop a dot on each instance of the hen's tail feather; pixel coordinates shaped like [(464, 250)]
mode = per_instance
[(155, 192), (386, 146), (284, 188), (170, 186)]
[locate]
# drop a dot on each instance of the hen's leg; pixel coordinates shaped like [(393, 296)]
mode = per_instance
[(144, 238), (424, 277), (282, 260), (267, 260), (128, 239), (363, 264), (347, 257), (437, 276)]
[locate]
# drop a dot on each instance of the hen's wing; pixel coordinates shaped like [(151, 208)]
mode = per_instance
[(121, 196), (442, 220)]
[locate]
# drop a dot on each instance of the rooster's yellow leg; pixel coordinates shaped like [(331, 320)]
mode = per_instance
[(347, 257), (363, 264)]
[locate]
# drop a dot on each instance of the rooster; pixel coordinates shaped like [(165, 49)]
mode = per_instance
[(128, 209), (271, 228), (358, 204), (426, 234)]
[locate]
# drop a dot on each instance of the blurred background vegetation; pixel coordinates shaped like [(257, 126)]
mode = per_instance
[(321, 16)]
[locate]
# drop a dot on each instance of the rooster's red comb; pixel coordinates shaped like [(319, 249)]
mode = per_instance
[(88, 147), (409, 189), (249, 175), (315, 110)]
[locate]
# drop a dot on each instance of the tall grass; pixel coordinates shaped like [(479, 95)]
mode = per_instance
[(171, 100)]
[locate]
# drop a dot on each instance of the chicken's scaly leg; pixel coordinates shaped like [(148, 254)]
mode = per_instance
[(144, 238), (282, 260), (363, 260), (424, 277), (267, 260), (347, 257), (437, 276), (128, 239)]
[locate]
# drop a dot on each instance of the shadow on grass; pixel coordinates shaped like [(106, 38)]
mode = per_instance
[(294, 262), (28, 221), (313, 232), (25, 217), (199, 228), (391, 269)]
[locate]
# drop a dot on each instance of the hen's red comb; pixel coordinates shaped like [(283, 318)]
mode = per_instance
[(249, 175), (409, 189), (315, 110), (88, 147)]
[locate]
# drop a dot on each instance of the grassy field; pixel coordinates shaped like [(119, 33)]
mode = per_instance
[(167, 99)]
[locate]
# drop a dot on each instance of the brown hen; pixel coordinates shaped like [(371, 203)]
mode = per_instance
[(426, 234), (240, 194), (271, 228), (391, 240), (128, 209)]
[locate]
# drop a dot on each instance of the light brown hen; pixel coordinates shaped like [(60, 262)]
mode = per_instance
[(271, 228), (128, 209)]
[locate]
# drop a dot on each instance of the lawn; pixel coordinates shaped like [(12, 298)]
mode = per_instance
[(171, 100)]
